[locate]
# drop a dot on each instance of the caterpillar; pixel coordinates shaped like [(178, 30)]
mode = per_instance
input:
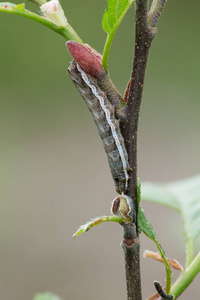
[(104, 116)]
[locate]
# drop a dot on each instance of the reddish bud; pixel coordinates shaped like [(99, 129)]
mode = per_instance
[(86, 58), (95, 52)]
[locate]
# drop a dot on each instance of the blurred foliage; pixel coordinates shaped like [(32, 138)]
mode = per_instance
[(183, 196), (48, 141), (46, 296)]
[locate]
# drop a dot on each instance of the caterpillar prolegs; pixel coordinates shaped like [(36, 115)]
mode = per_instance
[(104, 116)]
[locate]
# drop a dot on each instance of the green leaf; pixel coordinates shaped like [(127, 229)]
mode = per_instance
[(97, 221), (145, 226), (114, 13), (46, 296), (20, 7), (183, 196), (160, 194), (143, 223)]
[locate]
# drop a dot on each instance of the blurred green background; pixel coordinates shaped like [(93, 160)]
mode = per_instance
[(54, 173)]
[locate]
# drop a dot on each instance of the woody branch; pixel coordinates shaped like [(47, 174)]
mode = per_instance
[(145, 31)]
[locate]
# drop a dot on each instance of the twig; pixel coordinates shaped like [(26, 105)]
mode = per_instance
[(144, 35), (131, 247), (156, 11)]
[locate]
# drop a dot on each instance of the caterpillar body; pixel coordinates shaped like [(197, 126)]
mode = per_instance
[(104, 116)]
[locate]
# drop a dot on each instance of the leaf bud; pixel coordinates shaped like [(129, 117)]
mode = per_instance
[(53, 12), (121, 207)]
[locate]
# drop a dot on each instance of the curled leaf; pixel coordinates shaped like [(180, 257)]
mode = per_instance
[(172, 262), (97, 221)]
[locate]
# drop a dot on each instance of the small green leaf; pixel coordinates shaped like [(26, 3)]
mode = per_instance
[(46, 296), (183, 196), (97, 221), (145, 226), (114, 13), (143, 223), (20, 7)]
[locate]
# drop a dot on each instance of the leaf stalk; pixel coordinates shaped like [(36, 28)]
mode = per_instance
[(106, 50), (186, 277), (189, 251)]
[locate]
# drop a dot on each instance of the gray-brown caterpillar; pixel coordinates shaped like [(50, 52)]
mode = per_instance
[(104, 116)]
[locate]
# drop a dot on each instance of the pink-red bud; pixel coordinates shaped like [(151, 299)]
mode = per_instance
[(95, 52), (86, 57)]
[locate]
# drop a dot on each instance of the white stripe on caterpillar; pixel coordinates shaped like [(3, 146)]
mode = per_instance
[(107, 114), (108, 126)]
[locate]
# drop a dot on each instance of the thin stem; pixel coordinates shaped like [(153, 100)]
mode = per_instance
[(67, 32), (190, 252), (167, 268), (186, 277), (156, 11), (106, 51), (39, 2)]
